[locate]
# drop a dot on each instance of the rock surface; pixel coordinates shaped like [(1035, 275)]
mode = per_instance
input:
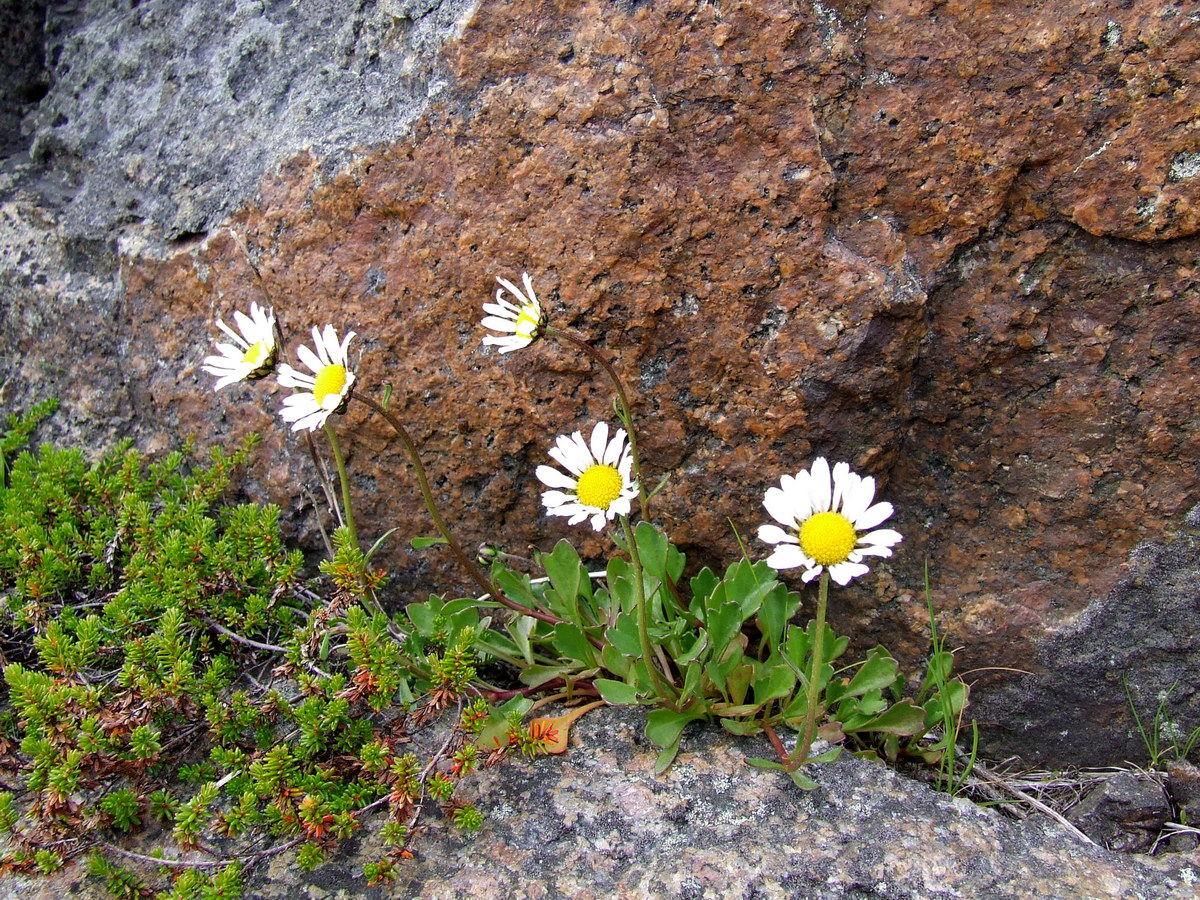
[(953, 243), (597, 823)]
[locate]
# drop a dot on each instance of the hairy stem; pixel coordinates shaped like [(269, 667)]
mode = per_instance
[(812, 713), (340, 462)]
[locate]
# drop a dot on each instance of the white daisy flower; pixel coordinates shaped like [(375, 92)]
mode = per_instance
[(324, 392), (823, 518), (599, 484), (522, 321), (252, 353)]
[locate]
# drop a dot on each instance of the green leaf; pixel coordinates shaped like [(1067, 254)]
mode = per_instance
[(724, 620), (418, 543), (774, 681), (538, 674), (423, 614), (742, 727), (618, 693), (664, 726), (665, 757), (702, 587), (778, 607), (520, 628), (688, 656), (827, 756), (568, 581), (515, 586), (624, 635), (691, 681), (902, 718), (768, 764), (572, 643), (620, 583), (877, 672), (803, 782), (735, 710), (612, 660), (659, 558)]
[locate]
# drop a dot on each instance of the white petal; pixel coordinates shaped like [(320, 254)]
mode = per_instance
[(857, 498), (221, 364), (820, 486), (233, 334), (497, 324), (231, 378), (512, 289), (625, 469), (343, 349), (843, 478), (289, 377), (230, 352), (773, 534), (620, 507), (782, 508), (599, 441), (310, 359), (551, 477), (502, 309), (616, 446), (528, 282), (884, 537), (598, 521), (506, 344), (555, 501), (873, 516), (246, 326), (787, 556), (811, 574), (844, 571)]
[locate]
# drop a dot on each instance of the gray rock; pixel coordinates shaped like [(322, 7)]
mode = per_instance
[(1143, 634), (596, 823), (1126, 812), (171, 112)]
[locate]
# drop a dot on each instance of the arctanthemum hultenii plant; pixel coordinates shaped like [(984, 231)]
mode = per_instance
[(824, 516), (520, 323), (252, 353), (325, 391), (600, 484)]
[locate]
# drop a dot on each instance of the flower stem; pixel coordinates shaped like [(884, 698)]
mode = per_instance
[(661, 685), (812, 713), (340, 462), (472, 568), (622, 402)]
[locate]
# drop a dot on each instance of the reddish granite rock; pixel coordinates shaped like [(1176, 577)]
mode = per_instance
[(950, 242)]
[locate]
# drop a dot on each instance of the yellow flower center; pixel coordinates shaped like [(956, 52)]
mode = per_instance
[(529, 322), (331, 381), (257, 355), (828, 538), (599, 486)]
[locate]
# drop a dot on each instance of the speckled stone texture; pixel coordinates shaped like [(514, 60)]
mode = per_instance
[(596, 823), (953, 243)]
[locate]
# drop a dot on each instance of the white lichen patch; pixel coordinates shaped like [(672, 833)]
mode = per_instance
[(1183, 166)]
